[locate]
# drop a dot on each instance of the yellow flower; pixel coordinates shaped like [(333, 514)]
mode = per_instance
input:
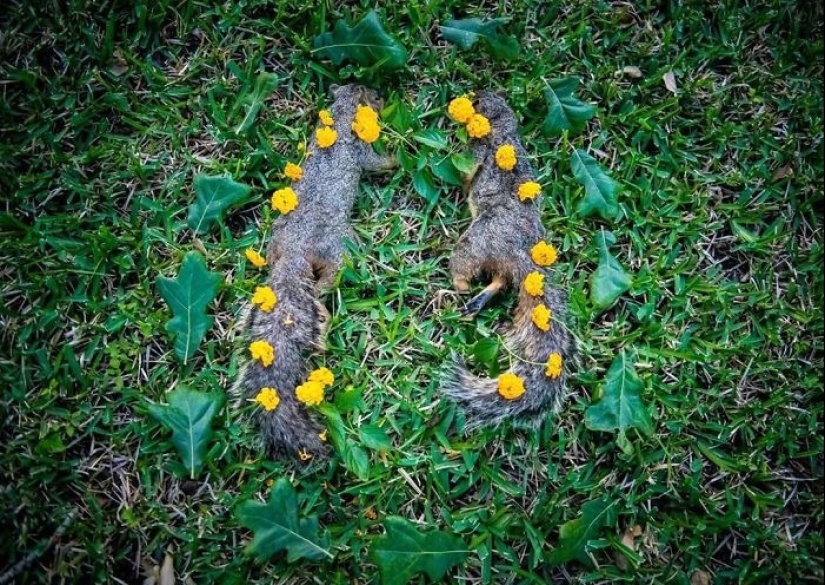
[(323, 435), (478, 126), (323, 376), (366, 125), (554, 363), (528, 191), (534, 284), (506, 157), (510, 386), (326, 117), (265, 298), (326, 136), (263, 351), (268, 398), (256, 259), (541, 316), (544, 254), (461, 110), (310, 393), (284, 200), (293, 172), (304, 455)]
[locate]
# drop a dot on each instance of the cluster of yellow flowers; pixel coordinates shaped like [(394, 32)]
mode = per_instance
[(462, 111), (554, 364), (311, 392), (268, 399), (293, 172), (541, 316), (326, 136), (534, 284), (366, 125), (510, 386), (265, 298), (285, 200), (528, 191), (326, 118), (256, 259), (544, 254), (506, 157), (262, 351)]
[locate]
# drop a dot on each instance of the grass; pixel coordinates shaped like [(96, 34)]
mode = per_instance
[(107, 113)]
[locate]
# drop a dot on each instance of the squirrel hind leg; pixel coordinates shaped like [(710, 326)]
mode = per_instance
[(478, 302)]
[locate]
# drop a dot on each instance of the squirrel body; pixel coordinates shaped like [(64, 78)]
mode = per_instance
[(306, 251), (498, 245)]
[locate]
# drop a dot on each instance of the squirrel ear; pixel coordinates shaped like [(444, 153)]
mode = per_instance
[(334, 89)]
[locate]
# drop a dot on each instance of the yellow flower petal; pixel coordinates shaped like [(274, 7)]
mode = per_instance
[(506, 157), (262, 351), (326, 117), (461, 110), (323, 376), (554, 365), (268, 399), (293, 172), (256, 259), (544, 254), (310, 393), (284, 200), (541, 316), (265, 298), (510, 386), (534, 284), (528, 191), (326, 136)]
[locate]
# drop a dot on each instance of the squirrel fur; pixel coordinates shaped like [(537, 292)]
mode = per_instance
[(305, 254), (497, 245)]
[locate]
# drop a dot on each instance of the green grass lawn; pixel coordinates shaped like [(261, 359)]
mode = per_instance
[(107, 114)]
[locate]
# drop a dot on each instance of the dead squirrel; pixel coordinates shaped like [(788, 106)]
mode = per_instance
[(505, 242), (306, 251)]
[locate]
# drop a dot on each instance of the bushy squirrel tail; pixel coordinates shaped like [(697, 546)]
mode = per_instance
[(539, 358), (292, 327)]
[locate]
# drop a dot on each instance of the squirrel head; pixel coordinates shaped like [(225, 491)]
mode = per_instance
[(494, 107)]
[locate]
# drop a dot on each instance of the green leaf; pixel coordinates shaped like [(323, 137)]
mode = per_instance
[(565, 111), (189, 416), (464, 162), (277, 527), (432, 138), (213, 196), (446, 171), (574, 535), (356, 460), (467, 32), (188, 296), (265, 84), (599, 189), (620, 406), (404, 552), (424, 184), (366, 44), (610, 280), (374, 437)]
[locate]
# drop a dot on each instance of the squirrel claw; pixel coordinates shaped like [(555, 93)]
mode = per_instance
[(472, 308)]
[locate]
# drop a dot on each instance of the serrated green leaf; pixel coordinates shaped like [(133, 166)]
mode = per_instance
[(404, 552), (424, 185), (486, 350), (610, 280), (356, 460), (565, 111), (213, 196), (349, 399), (189, 416), (366, 44), (188, 295), (265, 84), (621, 406), (278, 527), (467, 32), (599, 189), (374, 437), (575, 534)]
